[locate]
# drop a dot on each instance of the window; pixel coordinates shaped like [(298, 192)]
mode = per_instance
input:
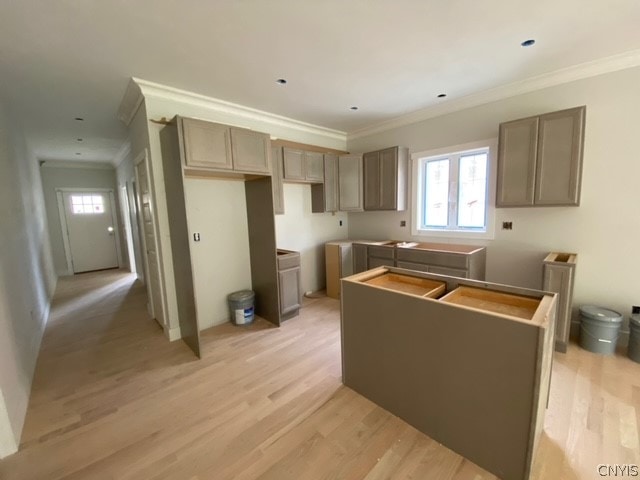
[(452, 191), (87, 204)]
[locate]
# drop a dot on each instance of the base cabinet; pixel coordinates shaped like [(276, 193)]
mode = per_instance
[(289, 283), (558, 276), (466, 362)]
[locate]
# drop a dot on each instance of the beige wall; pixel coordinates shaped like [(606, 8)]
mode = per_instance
[(27, 278), (233, 264), (55, 176), (300, 230), (604, 230)]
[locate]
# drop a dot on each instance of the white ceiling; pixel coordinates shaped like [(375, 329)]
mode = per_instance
[(63, 59)]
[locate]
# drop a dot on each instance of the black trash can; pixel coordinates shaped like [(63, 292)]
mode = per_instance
[(634, 338), (599, 329), (241, 307)]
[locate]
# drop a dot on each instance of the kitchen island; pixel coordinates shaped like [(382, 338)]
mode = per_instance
[(466, 362)]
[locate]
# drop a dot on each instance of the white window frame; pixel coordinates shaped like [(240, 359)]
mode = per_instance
[(418, 159)]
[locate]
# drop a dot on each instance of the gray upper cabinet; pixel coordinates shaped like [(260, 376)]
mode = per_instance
[(213, 146), (559, 167), (517, 152), (303, 166), (330, 183), (206, 144), (350, 198), (293, 164), (314, 167), (276, 181), (250, 151), (540, 160), (385, 179)]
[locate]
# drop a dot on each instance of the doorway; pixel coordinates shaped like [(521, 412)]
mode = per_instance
[(89, 229), (128, 232)]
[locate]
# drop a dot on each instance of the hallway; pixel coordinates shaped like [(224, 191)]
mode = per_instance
[(113, 399)]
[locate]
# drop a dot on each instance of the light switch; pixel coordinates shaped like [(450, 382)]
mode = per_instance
[(196, 237)]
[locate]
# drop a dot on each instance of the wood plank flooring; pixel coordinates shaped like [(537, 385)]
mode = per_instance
[(112, 399)]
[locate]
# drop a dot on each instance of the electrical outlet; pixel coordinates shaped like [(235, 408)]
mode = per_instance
[(403, 223), (507, 225), (196, 237), (340, 222)]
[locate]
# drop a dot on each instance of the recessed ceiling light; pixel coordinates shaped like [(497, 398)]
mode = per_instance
[(528, 43), (78, 139), (442, 95), (78, 153), (353, 108), (281, 81), (79, 119)]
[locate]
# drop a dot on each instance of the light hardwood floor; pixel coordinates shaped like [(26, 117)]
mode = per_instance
[(112, 399)]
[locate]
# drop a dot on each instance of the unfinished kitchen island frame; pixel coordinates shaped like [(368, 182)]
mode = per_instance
[(471, 369)]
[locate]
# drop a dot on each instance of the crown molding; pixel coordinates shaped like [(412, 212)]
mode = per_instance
[(75, 164), (130, 102), (151, 89), (123, 152), (614, 63)]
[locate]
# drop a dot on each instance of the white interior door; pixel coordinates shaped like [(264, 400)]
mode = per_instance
[(90, 230), (149, 240)]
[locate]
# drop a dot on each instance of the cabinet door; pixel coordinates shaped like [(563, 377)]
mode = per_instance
[(314, 167), (251, 151), (330, 183), (206, 144), (517, 162), (559, 164), (371, 168), (389, 179), (359, 253), (276, 181), (350, 183), (289, 290), (294, 167)]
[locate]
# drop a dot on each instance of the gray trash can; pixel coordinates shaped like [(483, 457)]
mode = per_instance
[(634, 338), (599, 329), (241, 307)]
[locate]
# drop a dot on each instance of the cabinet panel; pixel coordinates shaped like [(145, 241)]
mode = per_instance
[(421, 267), (350, 183), (251, 151), (206, 144), (314, 167), (359, 253), (294, 166), (381, 252), (453, 272), (559, 164), (289, 290), (330, 183), (371, 168), (517, 152), (389, 185), (432, 258), (379, 262), (276, 181)]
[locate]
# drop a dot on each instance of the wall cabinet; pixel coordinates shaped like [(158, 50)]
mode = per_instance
[(350, 197), (385, 179), (540, 160), (213, 146), (303, 166), (276, 181)]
